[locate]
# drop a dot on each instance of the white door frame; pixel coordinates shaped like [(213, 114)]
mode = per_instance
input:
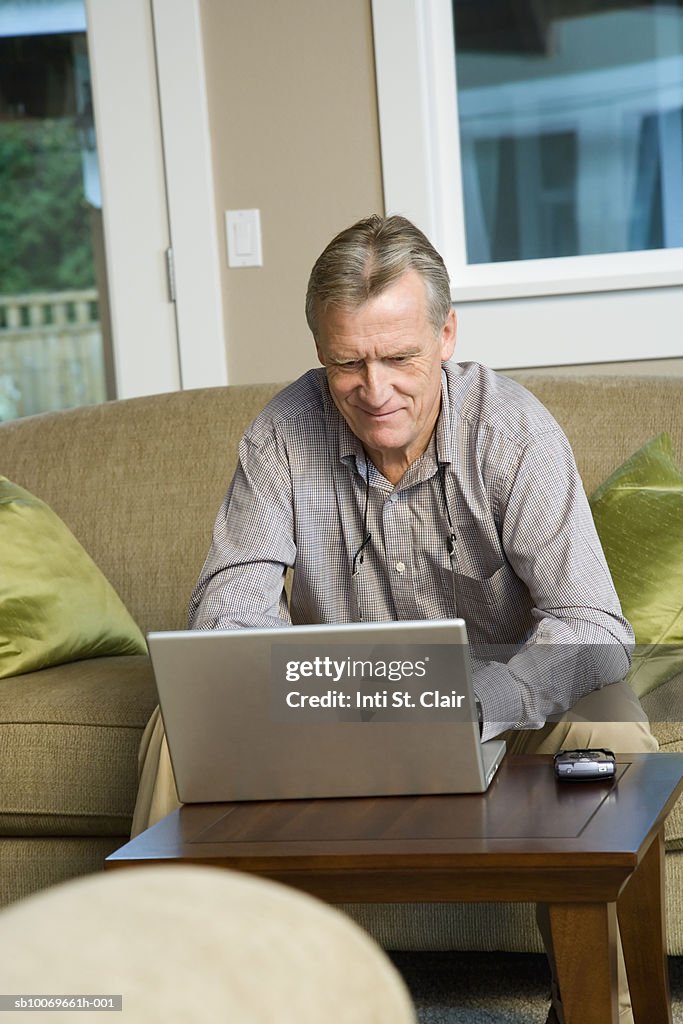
[(147, 71), (190, 188)]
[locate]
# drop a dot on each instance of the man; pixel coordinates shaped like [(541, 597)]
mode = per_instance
[(398, 485), (389, 445)]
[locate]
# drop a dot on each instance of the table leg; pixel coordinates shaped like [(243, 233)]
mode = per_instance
[(642, 923), (584, 939)]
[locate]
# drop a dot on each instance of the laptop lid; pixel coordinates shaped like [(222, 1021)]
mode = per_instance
[(359, 709)]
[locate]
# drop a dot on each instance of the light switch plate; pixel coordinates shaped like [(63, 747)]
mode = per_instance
[(243, 230)]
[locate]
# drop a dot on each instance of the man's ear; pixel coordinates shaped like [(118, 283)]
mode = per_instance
[(319, 352), (448, 335)]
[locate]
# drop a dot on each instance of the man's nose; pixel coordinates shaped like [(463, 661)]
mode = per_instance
[(376, 386)]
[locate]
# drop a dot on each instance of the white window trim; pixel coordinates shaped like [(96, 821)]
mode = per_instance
[(417, 101)]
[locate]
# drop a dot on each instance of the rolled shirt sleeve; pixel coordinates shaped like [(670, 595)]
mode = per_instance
[(242, 581), (580, 640)]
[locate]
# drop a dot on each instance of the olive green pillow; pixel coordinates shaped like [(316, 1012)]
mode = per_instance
[(638, 513), (55, 604)]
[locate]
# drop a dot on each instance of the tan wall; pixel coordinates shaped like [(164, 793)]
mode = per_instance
[(293, 118)]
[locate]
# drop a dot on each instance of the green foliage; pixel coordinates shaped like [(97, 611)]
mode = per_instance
[(45, 239)]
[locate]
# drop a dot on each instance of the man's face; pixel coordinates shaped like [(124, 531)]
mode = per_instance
[(383, 365)]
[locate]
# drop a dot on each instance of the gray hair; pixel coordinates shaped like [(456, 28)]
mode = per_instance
[(365, 259)]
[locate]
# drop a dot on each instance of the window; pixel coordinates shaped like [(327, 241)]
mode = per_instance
[(539, 145)]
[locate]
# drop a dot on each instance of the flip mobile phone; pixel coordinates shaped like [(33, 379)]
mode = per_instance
[(584, 765)]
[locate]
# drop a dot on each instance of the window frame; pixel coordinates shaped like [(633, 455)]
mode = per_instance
[(418, 107)]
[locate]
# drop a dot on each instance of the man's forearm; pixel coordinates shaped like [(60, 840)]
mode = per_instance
[(239, 597), (544, 679)]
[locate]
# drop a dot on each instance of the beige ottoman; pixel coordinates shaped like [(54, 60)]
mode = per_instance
[(189, 944)]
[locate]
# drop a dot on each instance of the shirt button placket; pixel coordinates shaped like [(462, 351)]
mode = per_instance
[(397, 534)]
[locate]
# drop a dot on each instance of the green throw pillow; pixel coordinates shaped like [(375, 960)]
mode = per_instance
[(55, 604), (638, 513)]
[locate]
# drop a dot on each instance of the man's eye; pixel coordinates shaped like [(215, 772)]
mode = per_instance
[(353, 364), (400, 359)]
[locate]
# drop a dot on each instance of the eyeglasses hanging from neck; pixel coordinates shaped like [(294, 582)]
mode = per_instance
[(359, 557)]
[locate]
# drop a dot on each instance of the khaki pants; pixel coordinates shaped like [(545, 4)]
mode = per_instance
[(611, 717), (157, 795)]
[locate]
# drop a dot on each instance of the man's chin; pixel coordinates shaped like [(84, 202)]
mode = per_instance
[(382, 440)]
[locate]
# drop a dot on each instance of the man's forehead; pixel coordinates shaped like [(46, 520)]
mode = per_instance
[(380, 341), (403, 299), (341, 353)]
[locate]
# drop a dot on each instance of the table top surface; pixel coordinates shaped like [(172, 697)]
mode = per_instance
[(525, 817)]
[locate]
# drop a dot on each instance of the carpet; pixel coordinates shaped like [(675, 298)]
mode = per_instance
[(491, 988)]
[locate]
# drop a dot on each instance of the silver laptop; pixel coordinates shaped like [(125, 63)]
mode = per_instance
[(362, 709)]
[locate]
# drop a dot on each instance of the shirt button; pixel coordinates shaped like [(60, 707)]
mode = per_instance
[(393, 497), (400, 567)]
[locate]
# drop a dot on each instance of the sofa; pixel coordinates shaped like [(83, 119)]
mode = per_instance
[(139, 482)]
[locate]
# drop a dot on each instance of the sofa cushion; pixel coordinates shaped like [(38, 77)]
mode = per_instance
[(55, 604), (638, 513), (69, 739), (31, 863)]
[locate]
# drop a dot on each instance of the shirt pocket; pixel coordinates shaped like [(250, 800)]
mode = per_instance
[(486, 591), (496, 608)]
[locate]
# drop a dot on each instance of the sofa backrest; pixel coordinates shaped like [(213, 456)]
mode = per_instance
[(607, 418), (139, 481)]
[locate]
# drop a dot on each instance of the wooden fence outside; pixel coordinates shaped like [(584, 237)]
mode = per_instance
[(50, 352)]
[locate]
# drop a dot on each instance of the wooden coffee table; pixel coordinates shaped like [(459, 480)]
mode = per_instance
[(594, 852)]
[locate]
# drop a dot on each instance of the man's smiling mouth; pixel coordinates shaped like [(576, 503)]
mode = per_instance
[(379, 415)]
